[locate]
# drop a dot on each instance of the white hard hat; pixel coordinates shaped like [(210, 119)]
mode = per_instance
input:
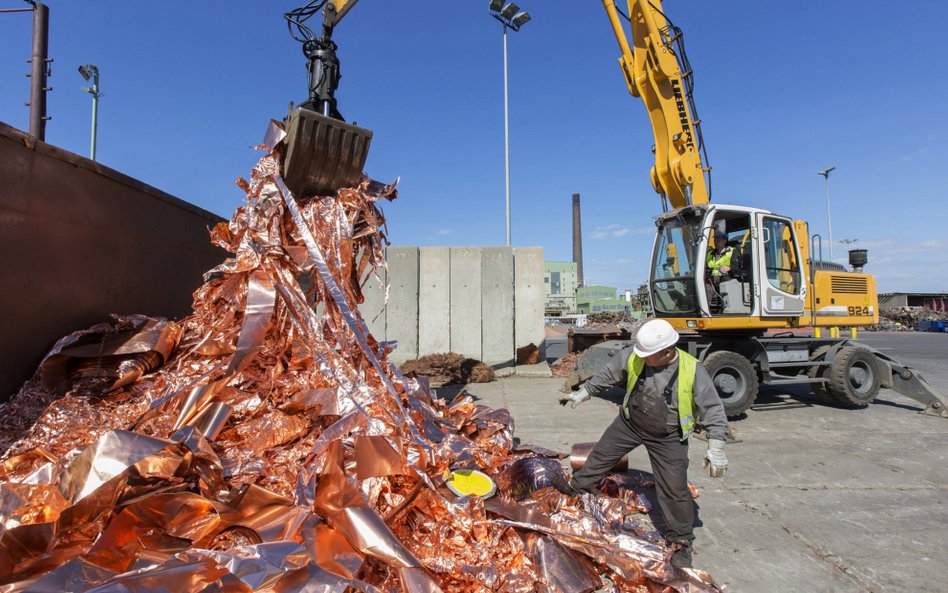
[(653, 337)]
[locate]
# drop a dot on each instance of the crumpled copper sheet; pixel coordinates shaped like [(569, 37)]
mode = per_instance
[(100, 360), (278, 449), (579, 453)]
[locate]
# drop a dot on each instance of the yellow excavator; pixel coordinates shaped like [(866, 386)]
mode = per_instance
[(774, 279)]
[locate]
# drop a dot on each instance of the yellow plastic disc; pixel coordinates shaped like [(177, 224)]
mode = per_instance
[(464, 482)]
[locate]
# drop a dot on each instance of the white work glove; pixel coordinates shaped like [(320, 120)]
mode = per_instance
[(716, 458), (575, 398)]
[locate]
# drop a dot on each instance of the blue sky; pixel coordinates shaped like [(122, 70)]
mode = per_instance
[(784, 90)]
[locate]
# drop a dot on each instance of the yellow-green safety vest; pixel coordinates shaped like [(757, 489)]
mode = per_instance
[(715, 262), (686, 380)]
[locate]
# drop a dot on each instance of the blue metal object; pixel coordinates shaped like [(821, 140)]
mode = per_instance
[(932, 326)]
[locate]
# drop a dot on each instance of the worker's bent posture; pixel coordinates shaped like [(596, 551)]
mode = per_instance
[(667, 393)]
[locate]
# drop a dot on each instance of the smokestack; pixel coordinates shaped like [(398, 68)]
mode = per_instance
[(577, 241)]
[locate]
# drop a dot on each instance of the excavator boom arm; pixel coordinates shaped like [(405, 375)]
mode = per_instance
[(341, 7), (653, 73)]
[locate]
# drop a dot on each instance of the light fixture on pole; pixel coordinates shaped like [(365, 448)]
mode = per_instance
[(90, 72), (829, 221), (510, 16)]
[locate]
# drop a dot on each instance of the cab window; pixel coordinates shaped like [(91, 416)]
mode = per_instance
[(780, 255)]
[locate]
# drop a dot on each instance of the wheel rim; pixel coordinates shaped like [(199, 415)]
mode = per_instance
[(730, 384), (861, 377)]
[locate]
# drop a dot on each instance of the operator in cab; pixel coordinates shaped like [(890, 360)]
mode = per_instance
[(668, 393), (719, 260)]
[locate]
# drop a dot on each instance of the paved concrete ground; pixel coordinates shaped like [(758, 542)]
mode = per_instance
[(817, 498)]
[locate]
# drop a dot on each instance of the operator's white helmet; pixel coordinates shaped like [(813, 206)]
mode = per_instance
[(653, 337)]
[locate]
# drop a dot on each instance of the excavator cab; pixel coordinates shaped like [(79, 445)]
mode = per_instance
[(763, 277), (323, 152)]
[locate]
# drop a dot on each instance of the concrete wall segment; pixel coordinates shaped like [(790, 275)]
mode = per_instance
[(434, 299), (372, 308), (529, 298), (497, 304), (466, 301), (401, 318)]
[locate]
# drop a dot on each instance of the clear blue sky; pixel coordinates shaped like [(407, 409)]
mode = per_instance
[(785, 89)]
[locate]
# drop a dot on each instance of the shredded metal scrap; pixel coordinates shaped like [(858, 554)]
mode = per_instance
[(278, 449)]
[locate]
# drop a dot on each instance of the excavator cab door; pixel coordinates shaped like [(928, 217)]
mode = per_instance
[(781, 286)]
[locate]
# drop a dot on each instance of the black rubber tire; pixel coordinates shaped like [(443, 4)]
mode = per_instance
[(735, 379), (854, 377), (821, 389)]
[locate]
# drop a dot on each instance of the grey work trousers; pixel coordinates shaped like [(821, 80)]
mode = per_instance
[(669, 458)]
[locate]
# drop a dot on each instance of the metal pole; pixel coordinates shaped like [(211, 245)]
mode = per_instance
[(506, 139), (829, 220), (95, 110), (38, 86)]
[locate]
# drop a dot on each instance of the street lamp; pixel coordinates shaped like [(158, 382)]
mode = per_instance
[(829, 222), (90, 72), (511, 17)]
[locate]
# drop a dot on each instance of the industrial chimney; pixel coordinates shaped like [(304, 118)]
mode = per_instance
[(577, 241)]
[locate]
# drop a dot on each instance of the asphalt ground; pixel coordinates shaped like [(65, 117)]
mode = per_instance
[(818, 498)]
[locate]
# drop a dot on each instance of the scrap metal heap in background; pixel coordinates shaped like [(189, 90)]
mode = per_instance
[(266, 443)]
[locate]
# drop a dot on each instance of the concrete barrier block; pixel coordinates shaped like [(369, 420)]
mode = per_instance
[(434, 300), (373, 290), (466, 301), (497, 304), (529, 295), (401, 318)]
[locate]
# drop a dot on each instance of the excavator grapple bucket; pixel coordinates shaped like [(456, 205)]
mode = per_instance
[(322, 154)]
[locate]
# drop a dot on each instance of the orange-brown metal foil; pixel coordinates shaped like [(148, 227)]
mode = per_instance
[(579, 453), (267, 443)]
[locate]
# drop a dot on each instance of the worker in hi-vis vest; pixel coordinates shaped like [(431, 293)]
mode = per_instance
[(668, 392), (719, 258)]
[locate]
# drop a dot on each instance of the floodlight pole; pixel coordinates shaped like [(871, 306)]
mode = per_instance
[(510, 16), (91, 73), (95, 114), (506, 140), (829, 222)]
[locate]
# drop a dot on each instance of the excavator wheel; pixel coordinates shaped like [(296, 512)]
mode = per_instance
[(854, 377), (821, 389), (735, 378), (323, 154)]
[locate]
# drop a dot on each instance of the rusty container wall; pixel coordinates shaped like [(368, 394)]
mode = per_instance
[(79, 241)]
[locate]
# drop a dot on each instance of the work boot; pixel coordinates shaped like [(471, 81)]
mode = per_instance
[(681, 558)]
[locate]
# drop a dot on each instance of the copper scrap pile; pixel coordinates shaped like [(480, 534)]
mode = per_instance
[(265, 443), (564, 365)]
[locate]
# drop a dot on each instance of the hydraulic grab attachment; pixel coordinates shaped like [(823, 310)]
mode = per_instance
[(323, 152)]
